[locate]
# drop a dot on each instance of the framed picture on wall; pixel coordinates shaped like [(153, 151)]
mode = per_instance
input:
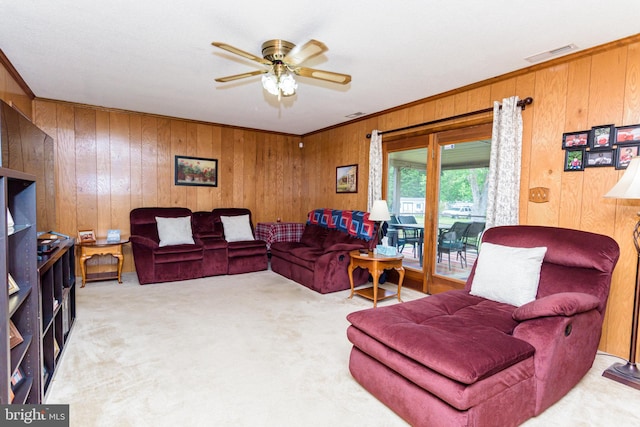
[(601, 137), (624, 154), (628, 134), (574, 160), (347, 179), (196, 171), (599, 158), (575, 139)]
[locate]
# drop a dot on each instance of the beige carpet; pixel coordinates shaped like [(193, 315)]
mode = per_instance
[(247, 350)]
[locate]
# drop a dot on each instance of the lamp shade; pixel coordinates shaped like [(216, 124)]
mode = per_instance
[(379, 211), (629, 185)]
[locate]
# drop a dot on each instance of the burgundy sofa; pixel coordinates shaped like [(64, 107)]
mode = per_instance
[(320, 259), (209, 255), (455, 359)]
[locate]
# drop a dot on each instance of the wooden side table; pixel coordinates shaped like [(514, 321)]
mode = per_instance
[(101, 247), (376, 264)]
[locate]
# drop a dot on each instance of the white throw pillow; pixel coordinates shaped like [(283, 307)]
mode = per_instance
[(175, 231), (508, 274), (236, 228)]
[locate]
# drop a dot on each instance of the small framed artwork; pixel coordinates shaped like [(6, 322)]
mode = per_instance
[(347, 179), (113, 236), (574, 160), (628, 134), (86, 236), (601, 137), (14, 335), (575, 139), (196, 171), (13, 286), (17, 377), (624, 155), (599, 158)]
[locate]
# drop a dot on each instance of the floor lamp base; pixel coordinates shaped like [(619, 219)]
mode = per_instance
[(625, 373)]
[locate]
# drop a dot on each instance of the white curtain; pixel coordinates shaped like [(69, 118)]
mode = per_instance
[(504, 165), (375, 169)]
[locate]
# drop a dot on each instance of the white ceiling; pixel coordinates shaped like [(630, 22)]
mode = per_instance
[(155, 56)]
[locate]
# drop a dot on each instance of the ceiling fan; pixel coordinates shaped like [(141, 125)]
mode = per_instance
[(283, 59)]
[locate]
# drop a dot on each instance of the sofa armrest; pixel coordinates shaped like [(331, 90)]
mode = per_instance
[(144, 241), (560, 304)]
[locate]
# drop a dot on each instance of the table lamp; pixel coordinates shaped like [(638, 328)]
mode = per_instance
[(379, 213), (629, 188)]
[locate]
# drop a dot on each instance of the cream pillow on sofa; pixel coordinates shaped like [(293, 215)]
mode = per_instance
[(508, 274), (237, 228), (175, 231)]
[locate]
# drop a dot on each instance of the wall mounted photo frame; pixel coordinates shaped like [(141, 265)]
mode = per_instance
[(601, 137), (575, 139), (624, 154), (86, 236), (347, 179), (628, 134), (196, 171), (599, 158), (574, 160)]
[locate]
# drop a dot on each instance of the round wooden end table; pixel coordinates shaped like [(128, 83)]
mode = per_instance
[(376, 264)]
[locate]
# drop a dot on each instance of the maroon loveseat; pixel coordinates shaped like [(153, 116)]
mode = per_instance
[(210, 254), (455, 359), (320, 259)]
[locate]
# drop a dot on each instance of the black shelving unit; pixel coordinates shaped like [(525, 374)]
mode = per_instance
[(18, 257), (57, 286)]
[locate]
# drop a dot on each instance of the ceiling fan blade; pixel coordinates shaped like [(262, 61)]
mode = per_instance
[(301, 53), (240, 76), (329, 76), (242, 53)]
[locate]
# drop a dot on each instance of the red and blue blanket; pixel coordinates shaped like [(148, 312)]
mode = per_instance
[(354, 223)]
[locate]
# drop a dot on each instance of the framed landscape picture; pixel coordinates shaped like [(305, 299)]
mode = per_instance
[(196, 171), (347, 179)]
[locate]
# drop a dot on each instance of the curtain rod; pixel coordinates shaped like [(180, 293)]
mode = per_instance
[(522, 104)]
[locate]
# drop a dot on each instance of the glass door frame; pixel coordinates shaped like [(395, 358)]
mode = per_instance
[(426, 280)]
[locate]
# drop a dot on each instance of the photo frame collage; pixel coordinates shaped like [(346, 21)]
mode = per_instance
[(605, 145)]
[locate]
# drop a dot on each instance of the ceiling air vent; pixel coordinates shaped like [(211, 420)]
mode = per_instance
[(354, 115), (552, 53)]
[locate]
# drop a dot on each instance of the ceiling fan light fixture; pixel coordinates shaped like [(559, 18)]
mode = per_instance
[(288, 84), (270, 84)]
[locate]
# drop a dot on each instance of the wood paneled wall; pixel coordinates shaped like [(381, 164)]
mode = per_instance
[(10, 90), (110, 162), (599, 87)]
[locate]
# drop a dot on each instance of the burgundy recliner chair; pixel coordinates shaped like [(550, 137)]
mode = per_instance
[(455, 359)]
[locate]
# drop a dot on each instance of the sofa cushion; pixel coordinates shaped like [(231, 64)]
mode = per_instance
[(178, 253), (174, 231), (463, 337), (313, 235), (334, 237), (306, 256), (508, 274), (237, 228), (247, 248)]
